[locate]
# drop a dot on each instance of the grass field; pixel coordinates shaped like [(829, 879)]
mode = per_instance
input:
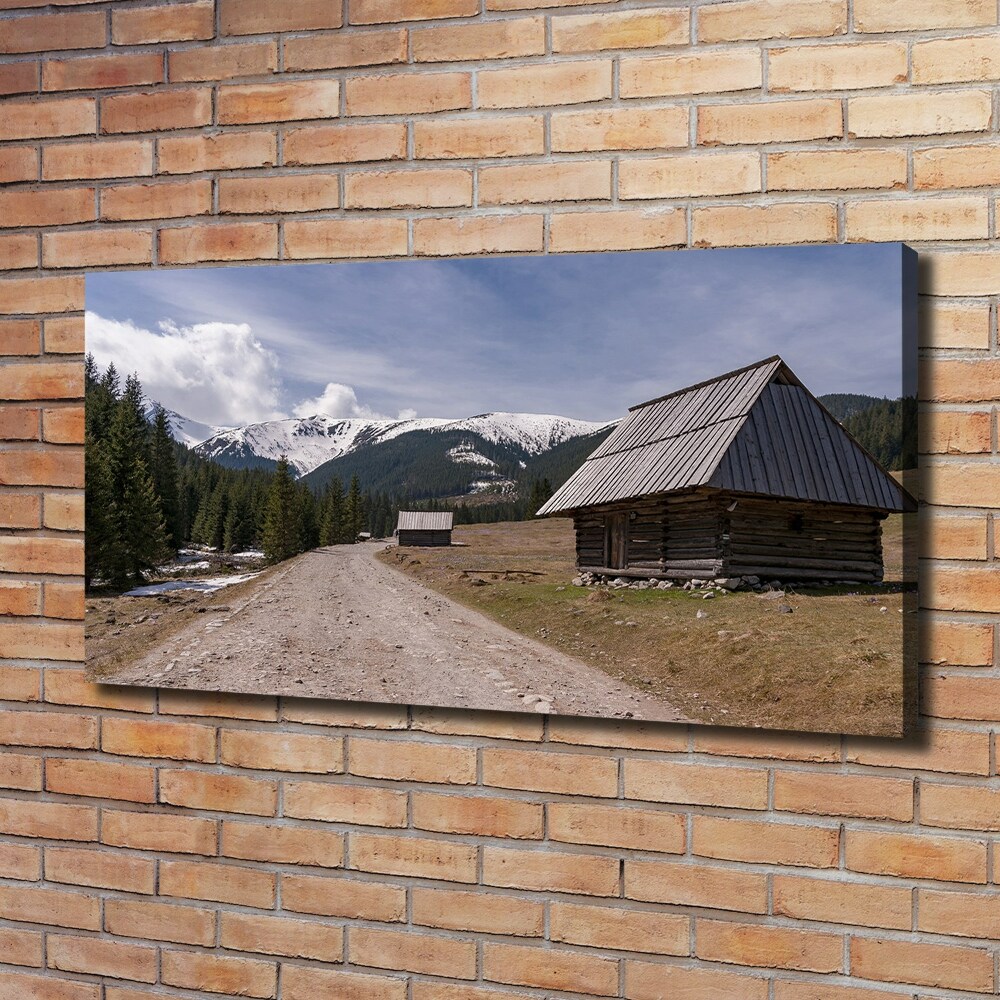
[(833, 665)]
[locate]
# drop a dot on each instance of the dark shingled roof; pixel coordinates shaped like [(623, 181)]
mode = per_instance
[(754, 430), (424, 520)]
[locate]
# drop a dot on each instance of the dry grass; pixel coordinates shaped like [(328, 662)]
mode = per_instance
[(833, 665)]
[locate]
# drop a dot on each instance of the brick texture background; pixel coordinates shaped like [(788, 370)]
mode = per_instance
[(175, 845)]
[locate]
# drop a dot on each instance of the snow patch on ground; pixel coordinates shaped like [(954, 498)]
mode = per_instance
[(206, 586), (466, 453)]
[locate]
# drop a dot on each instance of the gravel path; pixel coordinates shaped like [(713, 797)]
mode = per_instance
[(338, 623)]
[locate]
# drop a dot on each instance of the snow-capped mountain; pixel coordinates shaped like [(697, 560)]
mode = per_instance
[(189, 432), (309, 442)]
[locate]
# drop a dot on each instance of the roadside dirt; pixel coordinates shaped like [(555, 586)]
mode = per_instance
[(339, 623)]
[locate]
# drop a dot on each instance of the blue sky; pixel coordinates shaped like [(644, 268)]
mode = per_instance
[(582, 335)]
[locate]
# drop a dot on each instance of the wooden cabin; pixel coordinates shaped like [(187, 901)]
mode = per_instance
[(747, 474), (421, 527)]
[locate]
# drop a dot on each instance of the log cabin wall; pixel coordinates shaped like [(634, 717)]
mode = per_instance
[(424, 538)]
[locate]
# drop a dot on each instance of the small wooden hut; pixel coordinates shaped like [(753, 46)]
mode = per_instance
[(747, 474), (421, 527)]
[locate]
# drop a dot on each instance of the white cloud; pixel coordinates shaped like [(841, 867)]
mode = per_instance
[(216, 373), (336, 400)]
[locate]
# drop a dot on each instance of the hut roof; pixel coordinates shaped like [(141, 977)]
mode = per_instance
[(754, 430), (424, 520)]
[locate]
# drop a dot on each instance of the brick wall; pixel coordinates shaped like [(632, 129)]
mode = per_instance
[(181, 845)]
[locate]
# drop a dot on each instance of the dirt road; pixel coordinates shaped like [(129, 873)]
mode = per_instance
[(337, 623)]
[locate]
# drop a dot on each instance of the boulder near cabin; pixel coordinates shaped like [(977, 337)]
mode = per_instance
[(747, 474), (421, 527)]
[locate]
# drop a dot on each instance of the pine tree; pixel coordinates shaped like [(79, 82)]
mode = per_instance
[(332, 514), (354, 513), (308, 525), (163, 465), (282, 530)]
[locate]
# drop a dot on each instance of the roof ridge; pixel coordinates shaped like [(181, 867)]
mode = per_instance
[(717, 378)]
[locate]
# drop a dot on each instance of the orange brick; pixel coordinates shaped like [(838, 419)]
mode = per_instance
[(64, 335), (613, 826), (50, 467), (356, 804), (179, 22), (540, 86), (959, 218), (937, 750), (226, 151), (837, 902), (471, 139), (146, 831), (549, 968), (90, 248), (156, 201), (373, 48), (47, 208), (712, 72), (485, 817), (156, 111), (922, 963), (222, 241), (303, 983), (20, 947), (18, 423), (173, 740), (479, 912), (20, 336), (836, 170), (689, 175), (768, 947), (70, 687), (490, 234), (242, 977), (18, 163), (461, 722), (64, 601), (381, 11), (545, 182), (21, 861), (617, 230), (21, 510), (281, 936), (102, 958), (217, 883), (60, 556), (223, 62), (758, 19), (349, 898), (843, 795), (282, 752), (770, 121), (99, 72), (790, 990), (21, 772), (345, 144), (19, 78), (961, 807), (961, 381), (757, 225), (48, 729), (418, 857), (254, 17), (410, 761), (954, 433), (620, 128), (43, 119), (442, 188), (696, 885), (644, 981), (408, 93), (218, 792), (956, 60), (48, 32), (29, 987), (160, 922), (628, 30), (915, 15), (919, 114), (69, 161), (966, 914), (960, 697), (960, 537), (357, 237), (37, 906), (836, 67), (102, 869), (488, 40), (219, 705), (40, 295), (943, 167), (294, 193), (567, 774), (691, 784), (282, 844), (550, 871), (620, 929), (20, 683), (101, 779), (348, 716), (410, 952), (18, 250), (278, 102), (765, 843), (968, 590), (949, 859)]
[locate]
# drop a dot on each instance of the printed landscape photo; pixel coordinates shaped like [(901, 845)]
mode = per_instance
[(661, 486)]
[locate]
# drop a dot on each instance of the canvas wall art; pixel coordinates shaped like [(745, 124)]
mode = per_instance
[(661, 486)]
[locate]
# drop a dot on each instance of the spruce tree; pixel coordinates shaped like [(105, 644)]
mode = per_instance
[(102, 546), (330, 529), (282, 531), (354, 513), (163, 465)]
